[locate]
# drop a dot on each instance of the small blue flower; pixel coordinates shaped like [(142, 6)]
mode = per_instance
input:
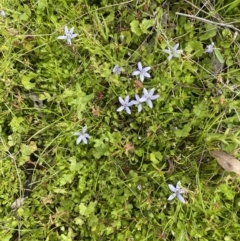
[(82, 136), (68, 35), (173, 51), (116, 70), (177, 191), (138, 102), (209, 48), (125, 104), (148, 97), (142, 72)]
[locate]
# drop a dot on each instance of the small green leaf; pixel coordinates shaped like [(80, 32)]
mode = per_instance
[(195, 47), (26, 80), (26, 150), (79, 221), (219, 56), (146, 24), (82, 209), (16, 124), (184, 132), (155, 157), (234, 4), (135, 28), (210, 32), (6, 237), (42, 4)]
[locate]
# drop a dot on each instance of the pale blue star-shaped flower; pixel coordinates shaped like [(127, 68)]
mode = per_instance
[(117, 69), (142, 72), (173, 51), (209, 48), (149, 96), (82, 136), (68, 35), (177, 191), (138, 102), (125, 104)]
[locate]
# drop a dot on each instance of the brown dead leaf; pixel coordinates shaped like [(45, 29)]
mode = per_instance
[(228, 162)]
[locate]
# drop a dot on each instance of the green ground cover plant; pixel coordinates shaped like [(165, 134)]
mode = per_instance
[(109, 113)]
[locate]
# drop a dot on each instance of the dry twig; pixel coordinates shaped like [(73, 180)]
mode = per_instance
[(209, 21)]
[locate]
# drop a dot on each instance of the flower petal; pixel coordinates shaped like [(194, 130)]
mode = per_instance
[(181, 191), (167, 51), (151, 92), (170, 57), (121, 108), (145, 92), (79, 139), (86, 135), (139, 107), (121, 100), (77, 133), (71, 30), (154, 97), (84, 129), (62, 37), (178, 186), (130, 103), (137, 97), (149, 102), (66, 30), (143, 99), (142, 77), (135, 102), (74, 35), (137, 72), (181, 198), (85, 140), (171, 197), (147, 75), (172, 188), (127, 98), (69, 41), (128, 110), (146, 69), (115, 69), (140, 66), (178, 53), (176, 46)]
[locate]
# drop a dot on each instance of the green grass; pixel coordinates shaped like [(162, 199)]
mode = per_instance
[(49, 90)]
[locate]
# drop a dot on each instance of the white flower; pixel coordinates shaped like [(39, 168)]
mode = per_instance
[(142, 72), (125, 104), (82, 136), (116, 70), (173, 51), (2, 13), (209, 48), (148, 97), (177, 191), (68, 35), (138, 102)]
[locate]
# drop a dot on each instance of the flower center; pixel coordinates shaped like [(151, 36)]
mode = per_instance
[(69, 35)]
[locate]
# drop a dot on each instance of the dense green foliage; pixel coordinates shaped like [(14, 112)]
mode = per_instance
[(115, 187)]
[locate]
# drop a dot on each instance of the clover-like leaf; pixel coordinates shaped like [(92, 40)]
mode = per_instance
[(135, 28)]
